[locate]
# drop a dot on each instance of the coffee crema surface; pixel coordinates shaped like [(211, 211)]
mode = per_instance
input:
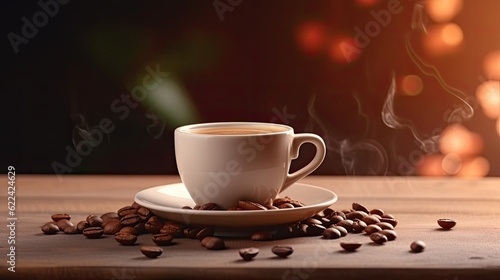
[(236, 130)]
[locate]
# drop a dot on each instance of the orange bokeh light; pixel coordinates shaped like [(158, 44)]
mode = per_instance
[(443, 39), (474, 168), (491, 65), (443, 10), (451, 164), (456, 139), (311, 37), (344, 50), (488, 96), (430, 165), (411, 85)]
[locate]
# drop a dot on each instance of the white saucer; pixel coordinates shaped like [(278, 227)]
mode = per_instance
[(167, 201)]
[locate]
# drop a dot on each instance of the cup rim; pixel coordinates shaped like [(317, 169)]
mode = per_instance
[(185, 128)]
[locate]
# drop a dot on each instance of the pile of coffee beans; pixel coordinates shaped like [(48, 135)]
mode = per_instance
[(132, 220)]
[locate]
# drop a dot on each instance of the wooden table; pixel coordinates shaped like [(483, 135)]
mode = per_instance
[(471, 250)]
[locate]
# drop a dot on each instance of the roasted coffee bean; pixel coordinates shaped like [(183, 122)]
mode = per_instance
[(350, 246), (71, 230), (370, 219), (417, 246), (378, 238), (331, 233), (57, 217), (94, 221), (286, 206), (144, 214), (248, 253), (196, 207), (127, 210), (130, 220), (342, 230), (250, 205), (93, 232), (359, 207), (107, 221), (213, 243), (129, 230), (389, 216), (389, 233), (125, 238), (82, 225), (209, 206), (355, 215), (135, 205), (325, 221), (50, 228), (311, 221), (385, 225), (336, 218), (315, 230), (187, 207), (446, 223), (346, 211), (191, 232), (63, 223), (140, 228), (173, 228), (205, 232), (369, 229), (338, 213), (358, 226), (282, 251), (377, 211), (347, 224), (391, 221), (261, 236), (112, 227), (151, 251), (162, 239), (328, 212), (154, 224), (110, 216)]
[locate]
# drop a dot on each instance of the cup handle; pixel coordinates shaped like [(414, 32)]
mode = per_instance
[(298, 140)]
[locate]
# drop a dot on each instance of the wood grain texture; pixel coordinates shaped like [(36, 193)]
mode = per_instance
[(471, 250)]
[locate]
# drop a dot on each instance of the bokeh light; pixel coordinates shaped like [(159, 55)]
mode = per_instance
[(430, 165), (451, 164), (443, 10), (311, 37), (491, 65), (456, 139), (343, 49), (410, 85), (488, 97), (443, 39), (474, 168)]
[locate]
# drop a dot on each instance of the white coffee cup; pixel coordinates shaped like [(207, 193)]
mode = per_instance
[(226, 162)]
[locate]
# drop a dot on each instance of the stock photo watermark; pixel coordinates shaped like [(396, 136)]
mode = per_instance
[(121, 107), (11, 218), (372, 29), (30, 28), (223, 6)]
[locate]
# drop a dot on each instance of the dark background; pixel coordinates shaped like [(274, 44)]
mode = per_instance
[(247, 67)]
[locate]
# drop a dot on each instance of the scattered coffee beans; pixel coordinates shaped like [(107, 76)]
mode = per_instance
[(358, 207), (248, 253), (250, 205), (71, 230), (151, 251), (130, 230), (213, 243), (57, 217), (446, 223), (282, 251), (112, 227), (417, 246), (82, 225), (331, 233), (372, 228), (162, 239), (378, 238), (205, 232), (63, 223), (125, 238), (94, 220), (261, 236), (350, 246), (93, 232), (389, 233), (50, 228)]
